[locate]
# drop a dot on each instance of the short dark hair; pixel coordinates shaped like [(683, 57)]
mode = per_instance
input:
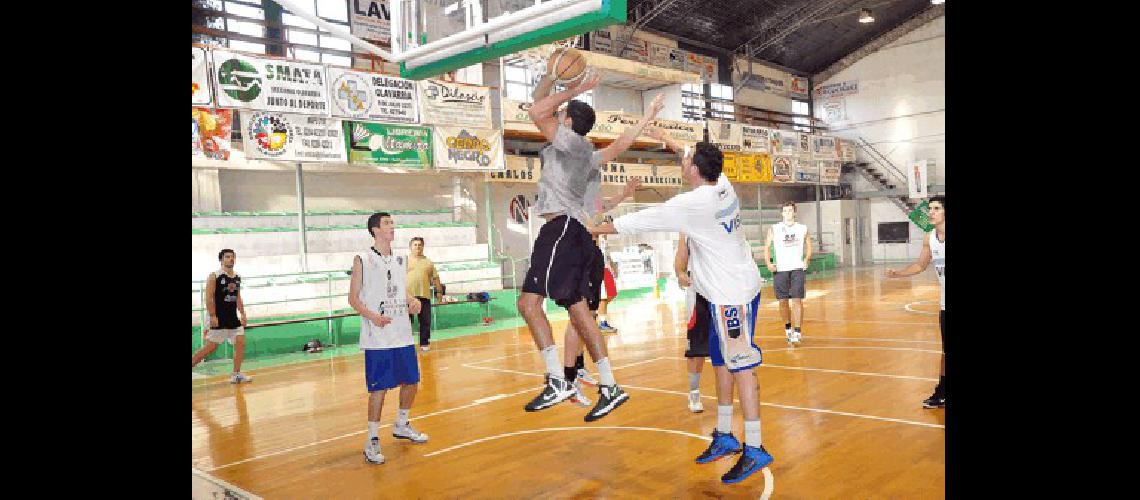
[(709, 161), (940, 199), (374, 221), (224, 251), (581, 117), (413, 240), (789, 204)]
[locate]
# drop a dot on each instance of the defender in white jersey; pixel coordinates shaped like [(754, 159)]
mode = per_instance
[(792, 244), (378, 291), (933, 251), (724, 272)]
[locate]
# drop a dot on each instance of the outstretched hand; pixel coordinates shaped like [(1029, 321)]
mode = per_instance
[(587, 83), (654, 132), (631, 186), (656, 106)]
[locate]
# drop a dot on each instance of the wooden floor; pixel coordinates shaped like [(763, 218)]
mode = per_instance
[(841, 414)]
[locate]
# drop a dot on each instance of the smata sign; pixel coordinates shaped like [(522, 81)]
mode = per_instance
[(270, 84)]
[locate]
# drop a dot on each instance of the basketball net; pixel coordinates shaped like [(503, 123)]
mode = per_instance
[(535, 58)]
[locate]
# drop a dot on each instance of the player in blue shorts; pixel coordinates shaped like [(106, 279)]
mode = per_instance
[(378, 291)]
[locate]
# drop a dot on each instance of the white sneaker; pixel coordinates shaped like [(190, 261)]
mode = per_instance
[(239, 377), (586, 378), (407, 432), (789, 334), (796, 337), (372, 451), (579, 397), (695, 404)]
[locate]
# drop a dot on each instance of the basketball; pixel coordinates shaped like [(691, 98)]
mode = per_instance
[(566, 64)]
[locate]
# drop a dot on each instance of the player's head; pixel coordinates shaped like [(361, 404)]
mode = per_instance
[(227, 258), (788, 212), (381, 226), (705, 164), (577, 115), (417, 244), (937, 208)]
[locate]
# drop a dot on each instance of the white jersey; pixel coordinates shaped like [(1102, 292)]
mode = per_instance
[(938, 256), (384, 288), (720, 259), (789, 245)]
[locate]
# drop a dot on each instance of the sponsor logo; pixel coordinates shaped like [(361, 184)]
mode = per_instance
[(239, 80)]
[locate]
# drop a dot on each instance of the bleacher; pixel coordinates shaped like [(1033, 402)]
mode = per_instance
[(275, 286)]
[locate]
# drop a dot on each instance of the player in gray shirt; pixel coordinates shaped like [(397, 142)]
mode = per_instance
[(560, 261)]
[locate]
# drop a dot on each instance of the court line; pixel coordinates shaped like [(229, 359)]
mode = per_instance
[(224, 484), (855, 347), (828, 370), (860, 339), (469, 405), (769, 480), (907, 307), (224, 378), (686, 394), (477, 402)]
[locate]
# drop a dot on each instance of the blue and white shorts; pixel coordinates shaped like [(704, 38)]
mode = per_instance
[(388, 368), (732, 332)]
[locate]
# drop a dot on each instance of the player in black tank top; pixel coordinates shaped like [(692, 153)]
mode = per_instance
[(226, 315), (226, 290)]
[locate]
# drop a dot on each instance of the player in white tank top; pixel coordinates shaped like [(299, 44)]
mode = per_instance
[(377, 290), (933, 251), (792, 244)]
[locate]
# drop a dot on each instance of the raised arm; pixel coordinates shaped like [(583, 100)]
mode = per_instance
[(625, 140), (660, 135), (542, 111)]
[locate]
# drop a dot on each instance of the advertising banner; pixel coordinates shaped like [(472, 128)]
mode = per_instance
[(463, 148), (454, 104), (369, 96), (200, 74), (211, 133), (371, 20), (402, 146), (248, 82), (807, 171), (783, 168), (290, 137)]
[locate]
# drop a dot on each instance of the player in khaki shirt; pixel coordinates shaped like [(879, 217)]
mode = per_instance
[(421, 276)]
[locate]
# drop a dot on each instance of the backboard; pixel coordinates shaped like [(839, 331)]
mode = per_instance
[(431, 37)]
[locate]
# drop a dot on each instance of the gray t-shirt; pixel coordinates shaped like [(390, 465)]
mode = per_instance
[(569, 166)]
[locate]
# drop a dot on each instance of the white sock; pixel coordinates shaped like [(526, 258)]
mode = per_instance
[(724, 418), (752, 433), (602, 318), (550, 357), (402, 416), (373, 429), (605, 374)]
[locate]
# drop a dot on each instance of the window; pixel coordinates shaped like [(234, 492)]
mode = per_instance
[(801, 108), (721, 99), (313, 38), (692, 102)]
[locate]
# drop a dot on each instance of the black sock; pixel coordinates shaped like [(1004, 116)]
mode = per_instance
[(942, 385), (787, 325), (571, 373), (580, 363)]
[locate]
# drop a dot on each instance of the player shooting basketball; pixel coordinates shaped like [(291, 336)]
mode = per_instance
[(563, 251)]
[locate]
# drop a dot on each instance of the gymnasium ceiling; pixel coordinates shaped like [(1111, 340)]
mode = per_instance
[(804, 35)]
